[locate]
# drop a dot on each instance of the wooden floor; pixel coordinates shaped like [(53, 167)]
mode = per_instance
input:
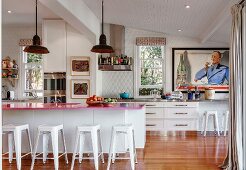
[(182, 152)]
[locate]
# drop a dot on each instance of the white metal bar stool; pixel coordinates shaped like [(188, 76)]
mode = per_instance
[(126, 129), (53, 131), (15, 135), (226, 120), (206, 116), (94, 130)]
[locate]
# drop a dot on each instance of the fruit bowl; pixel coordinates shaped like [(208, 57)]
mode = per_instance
[(94, 103), (108, 104)]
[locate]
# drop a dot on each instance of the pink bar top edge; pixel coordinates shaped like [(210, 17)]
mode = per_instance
[(69, 106)]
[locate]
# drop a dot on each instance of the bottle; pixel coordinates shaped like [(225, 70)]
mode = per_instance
[(197, 93), (181, 72), (190, 94)]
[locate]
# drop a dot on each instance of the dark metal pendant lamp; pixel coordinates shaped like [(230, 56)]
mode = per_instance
[(102, 47), (36, 47)]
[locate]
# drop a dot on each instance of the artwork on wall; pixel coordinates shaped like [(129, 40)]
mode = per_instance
[(80, 88), (202, 67), (80, 66)]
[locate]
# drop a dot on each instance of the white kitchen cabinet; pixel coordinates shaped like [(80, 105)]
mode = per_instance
[(54, 38), (172, 116)]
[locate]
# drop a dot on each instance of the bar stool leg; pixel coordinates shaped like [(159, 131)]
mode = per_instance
[(81, 146), (17, 137), (54, 139), (101, 148), (203, 123), (29, 140), (110, 148), (35, 150), (75, 148), (94, 138), (10, 146), (114, 146), (206, 124), (130, 141), (135, 151), (45, 146), (64, 145), (226, 122), (217, 124)]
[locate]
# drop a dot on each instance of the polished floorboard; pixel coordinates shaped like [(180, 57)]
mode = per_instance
[(180, 152)]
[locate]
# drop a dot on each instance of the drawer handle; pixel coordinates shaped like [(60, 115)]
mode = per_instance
[(181, 105), (150, 113), (181, 125), (150, 105), (181, 113), (150, 124)]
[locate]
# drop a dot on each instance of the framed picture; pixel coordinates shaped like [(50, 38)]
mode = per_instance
[(80, 66), (80, 88), (202, 67)]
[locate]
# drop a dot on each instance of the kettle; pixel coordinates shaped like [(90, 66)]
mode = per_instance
[(10, 95)]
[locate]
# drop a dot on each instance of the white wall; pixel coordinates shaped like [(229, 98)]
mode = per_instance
[(79, 45), (11, 36), (114, 83)]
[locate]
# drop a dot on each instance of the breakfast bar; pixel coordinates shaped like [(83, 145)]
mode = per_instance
[(72, 115)]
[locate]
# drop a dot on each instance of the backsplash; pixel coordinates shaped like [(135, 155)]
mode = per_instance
[(116, 82)]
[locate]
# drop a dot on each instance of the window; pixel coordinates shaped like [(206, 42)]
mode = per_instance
[(31, 74), (150, 66)]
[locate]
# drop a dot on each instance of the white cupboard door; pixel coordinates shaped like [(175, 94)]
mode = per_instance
[(54, 38)]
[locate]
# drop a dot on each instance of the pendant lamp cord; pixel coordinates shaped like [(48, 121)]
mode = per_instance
[(102, 16), (36, 16)]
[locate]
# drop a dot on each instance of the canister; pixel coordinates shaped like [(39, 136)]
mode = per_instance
[(209, 94)]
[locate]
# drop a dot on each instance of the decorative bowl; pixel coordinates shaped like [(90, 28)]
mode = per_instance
[(94, 103), (124, 95), (108, 104)]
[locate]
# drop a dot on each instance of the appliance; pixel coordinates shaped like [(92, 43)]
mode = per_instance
[(10, 95), (55, 87), (102, 47), (36, 47)]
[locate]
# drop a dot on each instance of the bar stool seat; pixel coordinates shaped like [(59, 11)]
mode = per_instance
[(128, 130), (94, 130), (214, 115), (15, 135), (53, 131)]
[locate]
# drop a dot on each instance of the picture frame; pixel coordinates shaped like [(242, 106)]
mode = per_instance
[(80, 66), (80, 88), (200, 69)]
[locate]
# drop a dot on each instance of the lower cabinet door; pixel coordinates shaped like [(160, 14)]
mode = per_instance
[(180, 124), (154, 124)]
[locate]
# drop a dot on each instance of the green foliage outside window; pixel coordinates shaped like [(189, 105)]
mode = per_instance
[(34, 58)]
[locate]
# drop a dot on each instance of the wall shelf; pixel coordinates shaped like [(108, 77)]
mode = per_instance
[(115, 67)]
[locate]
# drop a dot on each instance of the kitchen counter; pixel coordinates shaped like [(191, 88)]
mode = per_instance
[(69, 106), (72, 115)]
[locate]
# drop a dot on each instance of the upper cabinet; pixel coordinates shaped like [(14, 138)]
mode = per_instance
[(54, 38)]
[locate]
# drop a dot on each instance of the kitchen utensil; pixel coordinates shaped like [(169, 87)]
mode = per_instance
[(124, 95)]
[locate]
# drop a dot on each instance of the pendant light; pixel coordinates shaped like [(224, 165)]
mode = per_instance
[(102, 47), (36, 47)]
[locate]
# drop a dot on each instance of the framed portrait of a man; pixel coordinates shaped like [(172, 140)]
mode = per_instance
[(201, 67)]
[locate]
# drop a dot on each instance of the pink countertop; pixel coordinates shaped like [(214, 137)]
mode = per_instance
[(69, 106)]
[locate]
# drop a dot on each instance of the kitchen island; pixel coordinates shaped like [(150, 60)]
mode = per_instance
[(72, 115)]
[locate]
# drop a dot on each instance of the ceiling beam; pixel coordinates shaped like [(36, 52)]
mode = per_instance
[(78, 15), (217, 22)]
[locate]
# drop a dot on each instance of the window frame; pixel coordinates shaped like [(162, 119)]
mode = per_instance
[(137, 72), (22, 70)]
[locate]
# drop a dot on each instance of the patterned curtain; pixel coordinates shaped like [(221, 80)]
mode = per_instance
[(150, 41)]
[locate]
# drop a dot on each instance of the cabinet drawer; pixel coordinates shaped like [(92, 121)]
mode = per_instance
[(154, 104), (181, 104), (181, 113), (154, 112), (180, 124), (152, 124)]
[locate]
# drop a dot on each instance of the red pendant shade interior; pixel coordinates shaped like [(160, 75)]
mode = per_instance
[(102, 47), (36, 47)]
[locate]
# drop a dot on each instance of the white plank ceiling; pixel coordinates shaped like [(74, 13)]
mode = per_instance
[(205, 20)]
